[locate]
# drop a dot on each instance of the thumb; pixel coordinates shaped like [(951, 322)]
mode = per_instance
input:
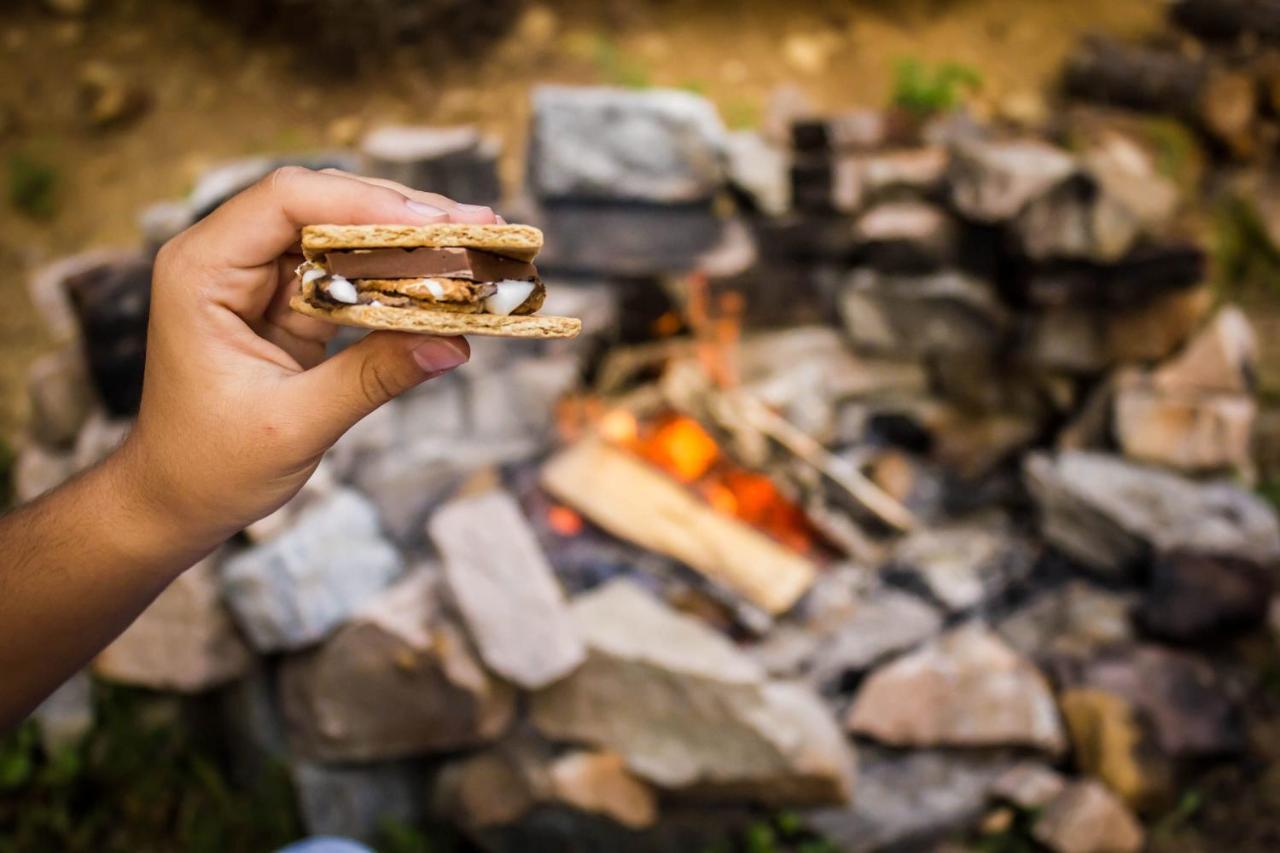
[(383, 365)]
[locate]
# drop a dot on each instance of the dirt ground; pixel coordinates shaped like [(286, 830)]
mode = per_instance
[(214, 95)]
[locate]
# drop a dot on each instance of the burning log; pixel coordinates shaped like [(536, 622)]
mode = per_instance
[(638, 503), (804, 470)]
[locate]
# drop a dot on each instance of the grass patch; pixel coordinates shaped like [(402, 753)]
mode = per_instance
[(1243, 257), (618, 68), (140, 781), (32, 186), (923, 90)]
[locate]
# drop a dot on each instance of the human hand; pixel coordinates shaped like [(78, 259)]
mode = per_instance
[(239, 402)]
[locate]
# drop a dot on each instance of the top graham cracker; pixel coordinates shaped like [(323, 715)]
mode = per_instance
[(521, 242)]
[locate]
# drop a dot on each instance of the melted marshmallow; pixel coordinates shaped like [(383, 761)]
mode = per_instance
[(341, 290), (435, 289), (509, 296), (312, 274)]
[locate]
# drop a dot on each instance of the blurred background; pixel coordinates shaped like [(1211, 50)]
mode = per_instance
[(910, 488)]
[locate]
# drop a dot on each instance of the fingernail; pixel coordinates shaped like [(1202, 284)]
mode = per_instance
[(498, 219), (437, 355), (427, 211), (474, 213)]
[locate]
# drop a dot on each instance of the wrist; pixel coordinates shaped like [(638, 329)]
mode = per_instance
[(147, 521)]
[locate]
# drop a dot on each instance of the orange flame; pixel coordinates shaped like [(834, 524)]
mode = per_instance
[(681, 447)]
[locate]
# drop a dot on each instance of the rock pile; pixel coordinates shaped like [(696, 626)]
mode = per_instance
[(1005, 338)]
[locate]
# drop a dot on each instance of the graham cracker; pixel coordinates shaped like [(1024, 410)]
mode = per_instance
[(521, 242)]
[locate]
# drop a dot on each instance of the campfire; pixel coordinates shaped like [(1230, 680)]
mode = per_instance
[(937, 462)]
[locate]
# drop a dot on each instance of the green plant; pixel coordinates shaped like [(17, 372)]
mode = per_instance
[(924, 90), (146, 777), (619, 69), (32, 186), (783, 832), (1242, 253)]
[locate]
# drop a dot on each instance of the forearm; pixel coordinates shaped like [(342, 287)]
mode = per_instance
[(76, 567)]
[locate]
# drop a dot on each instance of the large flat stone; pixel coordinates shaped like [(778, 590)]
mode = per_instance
[(992, 181), (1087, 818), (293, 590), (908, 316), (506, 590), (184, 641), (911, 800), (688, 711), (398, 680), (1111, 514), (656, 145), (967, 688)]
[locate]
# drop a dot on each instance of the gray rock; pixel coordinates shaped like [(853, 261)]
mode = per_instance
[(322, 484), (47, 288), (908, 800), (99, 437), (293, 590), (1199, 597), (398, 680), (504, 783), (626, 239), (458, 162), (357, 802), (61, 396), (1180, 697), (184, 641), (655, 145), (904, 173), (688, 711), (66, 715), (1195, 412), (1088, 818), (992, 181), (162, 221), (758, 170), (408, 481), (39, 469), (1190, 432), (967, 688), (519, 400), (1075, 620), (963, 565), (937, 314), (1029, 785), (506, 590), (220, 182), (1099, 214), (1111, 514), (886, 623), (907, 236)]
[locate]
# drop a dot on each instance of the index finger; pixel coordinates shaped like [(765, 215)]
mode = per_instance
[(261, 223)]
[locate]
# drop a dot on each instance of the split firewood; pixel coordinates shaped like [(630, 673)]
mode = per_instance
[(638, 503)]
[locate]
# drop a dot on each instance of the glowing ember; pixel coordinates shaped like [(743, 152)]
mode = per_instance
[(564, 521), (667, 324), (681, 447), (619, 426)]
